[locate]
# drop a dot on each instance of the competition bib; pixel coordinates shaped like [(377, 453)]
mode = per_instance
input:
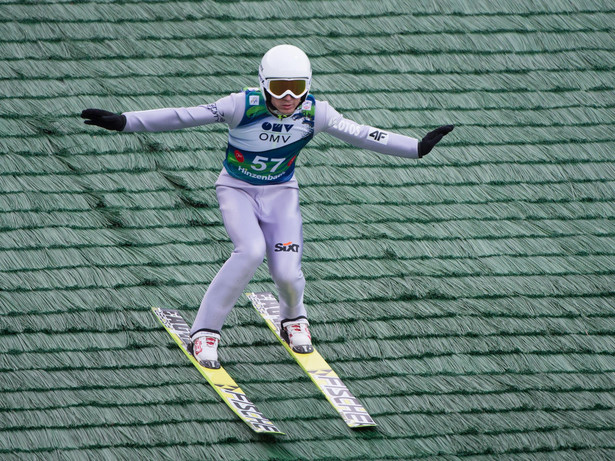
[(263, 148)]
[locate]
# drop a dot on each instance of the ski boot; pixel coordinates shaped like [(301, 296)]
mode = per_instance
[(297, 334), (205, 348)]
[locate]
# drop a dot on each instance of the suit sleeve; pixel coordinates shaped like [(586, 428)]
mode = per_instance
[(224, 110), (328, 120)]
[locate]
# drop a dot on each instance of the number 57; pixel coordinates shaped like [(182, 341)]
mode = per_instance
[(260, 163)]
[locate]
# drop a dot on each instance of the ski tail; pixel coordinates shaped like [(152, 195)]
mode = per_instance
[(218, 378), (319, 371)]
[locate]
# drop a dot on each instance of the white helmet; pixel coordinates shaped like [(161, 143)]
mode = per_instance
[(285, 69)]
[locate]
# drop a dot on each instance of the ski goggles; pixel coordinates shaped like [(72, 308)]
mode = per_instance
[(278, 88)]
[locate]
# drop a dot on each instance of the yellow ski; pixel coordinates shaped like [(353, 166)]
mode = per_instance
[(219, 379), (319, 371)]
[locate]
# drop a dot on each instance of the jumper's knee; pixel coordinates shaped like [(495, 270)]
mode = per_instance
[(289, 281), (251, 255)]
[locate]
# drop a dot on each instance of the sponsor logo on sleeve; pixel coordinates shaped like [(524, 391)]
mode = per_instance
[(254, 100), (348, 126), (379, 136), (218, 115)]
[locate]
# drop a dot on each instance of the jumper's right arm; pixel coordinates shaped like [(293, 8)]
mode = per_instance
[(222, 111)]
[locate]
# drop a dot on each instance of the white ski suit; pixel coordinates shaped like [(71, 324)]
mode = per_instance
[(257, 191)]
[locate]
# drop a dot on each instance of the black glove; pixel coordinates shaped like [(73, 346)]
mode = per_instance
[(104, 118), (432, 138)]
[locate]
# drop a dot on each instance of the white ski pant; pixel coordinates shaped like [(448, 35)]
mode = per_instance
[(261, 221)]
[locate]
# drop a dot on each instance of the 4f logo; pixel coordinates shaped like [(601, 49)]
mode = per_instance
[(290, 246), (379, 136)]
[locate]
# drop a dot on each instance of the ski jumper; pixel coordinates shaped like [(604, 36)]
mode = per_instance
[(257, 190)]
